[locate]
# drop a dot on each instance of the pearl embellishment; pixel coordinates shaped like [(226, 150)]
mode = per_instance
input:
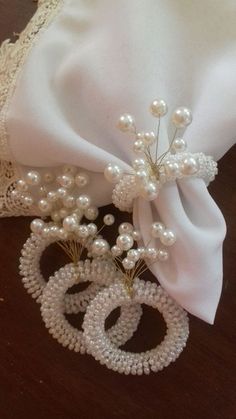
[(124, 362)]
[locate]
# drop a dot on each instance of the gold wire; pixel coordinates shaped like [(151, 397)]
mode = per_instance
[(157, 138), (99, 231), (159, 161)]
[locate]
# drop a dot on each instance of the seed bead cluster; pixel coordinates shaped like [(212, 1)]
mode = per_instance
[(57, 193), (131, 259)]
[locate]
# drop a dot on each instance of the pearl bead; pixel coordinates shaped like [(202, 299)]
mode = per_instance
[(125, 228), (149, 138), (92, 229), (157, 229), (21, 186), (162, 255), (55, 215), (168, 238), (139, 163), (113, 173), (109, 219), (151, 253), (139, 146), (136, 235), (48, 177), (63, 213), (62, 234), (133, 254), (158, 108), (179, 145), (54, 230), (70, 223), (52, 196), (44, 205), (61, 193), (126, 123), (42, 191), (124, 241), (83, 231), (83, 202), (82, 179), (91, 213), (128, 263), (142, 252), (149, 191), (69, 201), (189, 166), (69, 169), (28, 200), (141, 176), (77, 213), (15, 194), (37, 226), (100, 247), (66, 181), (116, 251), (140, 135), (33, 178), (182, 117), (172, 168), (46, 232)]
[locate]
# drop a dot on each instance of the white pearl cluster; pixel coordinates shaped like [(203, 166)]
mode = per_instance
[(149, 172), (34, 282), (106, 352), (53, 308), (43, 234), (125, 245), (59, 193)]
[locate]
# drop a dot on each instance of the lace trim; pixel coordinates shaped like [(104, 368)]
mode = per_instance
[(12, 57)]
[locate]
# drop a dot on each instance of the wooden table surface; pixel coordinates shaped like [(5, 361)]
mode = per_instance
[(40, 379)]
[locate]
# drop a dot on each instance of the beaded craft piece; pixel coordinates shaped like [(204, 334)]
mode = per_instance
[(113, 271), (149, 171)]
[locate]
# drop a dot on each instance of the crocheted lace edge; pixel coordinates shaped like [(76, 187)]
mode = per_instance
[(12, 59)]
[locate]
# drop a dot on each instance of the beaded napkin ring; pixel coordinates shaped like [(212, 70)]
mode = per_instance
[(106, 352), (149, 172), (53, 307)]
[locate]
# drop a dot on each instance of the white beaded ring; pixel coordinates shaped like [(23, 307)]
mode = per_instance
[(178, 166), (100, 346), (52, 310), (150, 171), (35, 283)]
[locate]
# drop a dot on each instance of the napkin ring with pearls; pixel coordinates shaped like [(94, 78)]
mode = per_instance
[(150, 172)]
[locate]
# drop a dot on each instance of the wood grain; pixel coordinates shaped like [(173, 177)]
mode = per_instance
[(40, 379)]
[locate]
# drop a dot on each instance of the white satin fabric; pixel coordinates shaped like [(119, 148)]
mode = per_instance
[(101, 58)]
